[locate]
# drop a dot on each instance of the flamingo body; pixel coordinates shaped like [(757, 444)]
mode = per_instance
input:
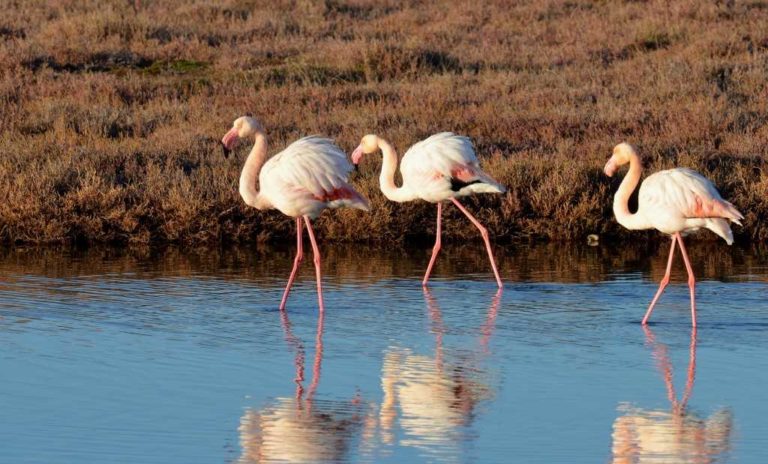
[(307, 177), (682, 200), (444, 166)]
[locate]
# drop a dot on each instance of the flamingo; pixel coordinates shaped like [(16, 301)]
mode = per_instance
[(301, 181), (441, 167), (675, 202)]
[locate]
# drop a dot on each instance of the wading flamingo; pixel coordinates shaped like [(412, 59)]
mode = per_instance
[(441, 167), (301, 181), (674, 201)]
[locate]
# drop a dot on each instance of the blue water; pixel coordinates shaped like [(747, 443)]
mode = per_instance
[(181, 356)]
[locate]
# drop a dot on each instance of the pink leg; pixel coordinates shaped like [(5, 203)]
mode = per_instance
[(436, 248), (691, 278), (296, 262), (484, 233), (663, 283), (316, 253)]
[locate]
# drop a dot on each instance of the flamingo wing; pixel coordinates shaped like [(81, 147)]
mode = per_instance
[(687, 193), (308, 176), (443, 166)]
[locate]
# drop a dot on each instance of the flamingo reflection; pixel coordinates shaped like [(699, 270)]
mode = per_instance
[(679, 435), (436, 398), (300, 429)]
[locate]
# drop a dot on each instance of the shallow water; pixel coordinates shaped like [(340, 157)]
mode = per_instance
[(172, 356)]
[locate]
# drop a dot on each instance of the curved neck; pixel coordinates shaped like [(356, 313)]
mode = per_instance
[(621, 199), (387, 177), (250, 173)]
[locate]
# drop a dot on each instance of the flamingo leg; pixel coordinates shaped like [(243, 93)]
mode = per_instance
[(296, 262), (691, 278), (436, 248), (663, 282), (484, 233), (316, 256)]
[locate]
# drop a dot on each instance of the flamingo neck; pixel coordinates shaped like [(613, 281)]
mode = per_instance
[(250, 173), (621, 199), (387, 177)]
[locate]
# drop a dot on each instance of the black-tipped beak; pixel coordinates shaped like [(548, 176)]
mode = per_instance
[(357, 155), (225, 150)]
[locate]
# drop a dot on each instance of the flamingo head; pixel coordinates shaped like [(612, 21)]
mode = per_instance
[(621, 156), (369, 144), (244, 126)]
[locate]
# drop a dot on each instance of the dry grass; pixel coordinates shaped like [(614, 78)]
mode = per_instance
[(111, 113)]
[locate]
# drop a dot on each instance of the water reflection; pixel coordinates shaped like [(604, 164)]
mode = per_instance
[(299, 428), (142, 334), (678, 435), (345, 263), (435, 398)]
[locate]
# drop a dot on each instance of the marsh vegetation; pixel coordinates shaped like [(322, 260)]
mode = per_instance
[(112, 110)]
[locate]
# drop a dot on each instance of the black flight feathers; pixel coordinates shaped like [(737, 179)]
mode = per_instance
[(457, 184)]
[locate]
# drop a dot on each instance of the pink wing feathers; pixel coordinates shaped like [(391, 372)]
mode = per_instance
[(681, 199), (309, 176), (445, 166), (689, 193)]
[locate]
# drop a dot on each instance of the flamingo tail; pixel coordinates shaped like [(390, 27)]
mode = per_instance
[(729, 211), (479, 183), (720, 227), (346, 197)]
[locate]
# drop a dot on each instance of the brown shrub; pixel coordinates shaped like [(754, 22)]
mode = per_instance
[(112, 110)]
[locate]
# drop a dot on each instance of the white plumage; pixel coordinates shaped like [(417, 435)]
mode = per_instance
[(682, 200), (301, 181), (441, 167), (307, 177), (675, 202), (445, 166)]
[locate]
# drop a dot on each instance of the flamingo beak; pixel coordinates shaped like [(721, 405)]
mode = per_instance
[(610, 168), (357, 155), (229, 141)]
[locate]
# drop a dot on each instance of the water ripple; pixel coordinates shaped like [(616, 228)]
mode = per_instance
[(183, 356)]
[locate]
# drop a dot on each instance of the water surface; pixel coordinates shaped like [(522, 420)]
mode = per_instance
[(164, 356)]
